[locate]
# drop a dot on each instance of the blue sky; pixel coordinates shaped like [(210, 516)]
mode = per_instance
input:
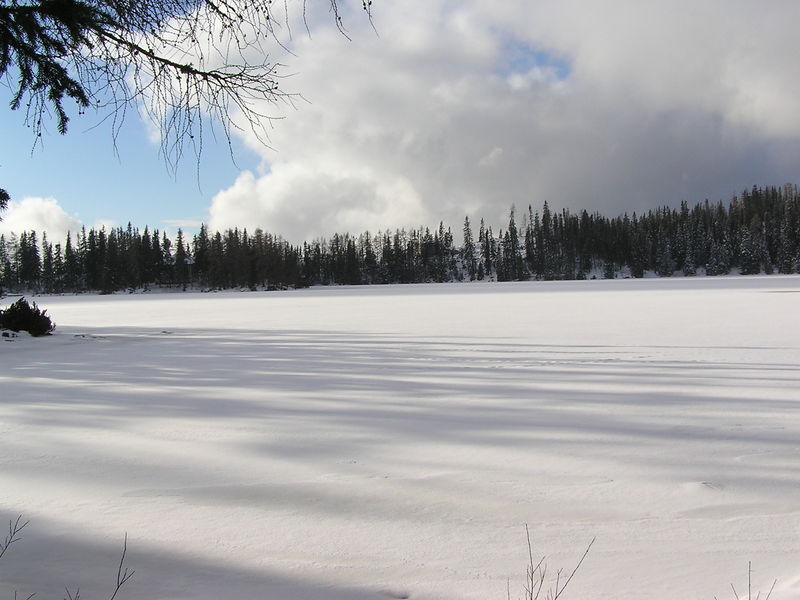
[(460, 109), (521, 57), (97, 183)]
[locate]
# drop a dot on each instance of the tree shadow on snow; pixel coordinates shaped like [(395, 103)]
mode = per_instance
[(331, 398), (51, 557)]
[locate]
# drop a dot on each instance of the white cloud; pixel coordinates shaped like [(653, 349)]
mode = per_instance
[(302, 203), (40, 215), (643, 103)]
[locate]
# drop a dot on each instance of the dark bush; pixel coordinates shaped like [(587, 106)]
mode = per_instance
[(22, 316)]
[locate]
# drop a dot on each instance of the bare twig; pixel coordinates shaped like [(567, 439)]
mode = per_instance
[(15, 526), (14, 529), (750, 587), (575, 570), (122, 575), (537, 573), (771, 589)]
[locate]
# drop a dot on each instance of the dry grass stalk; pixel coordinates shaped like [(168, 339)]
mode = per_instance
[(536, 575), (750, 587)]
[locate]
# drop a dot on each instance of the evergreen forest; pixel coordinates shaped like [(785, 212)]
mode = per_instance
[(758, 231)]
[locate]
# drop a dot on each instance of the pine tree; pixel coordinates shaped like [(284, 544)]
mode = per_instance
[(664, 265), (468, 251), (504, 263), (352, 268), (786, 248), (48, 278), (28, 261), (370, 259), (201, 249), (515, 268), (719, 262), (130, 260), (488, 251), (217, 275), (107, 245), (181, 268), (6, 269), (59, 270), (73, 270), (689, 266), (749, 252), (548, 253), (166, 261)]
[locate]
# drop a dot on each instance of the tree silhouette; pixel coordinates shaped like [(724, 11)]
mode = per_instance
[(186, 63)]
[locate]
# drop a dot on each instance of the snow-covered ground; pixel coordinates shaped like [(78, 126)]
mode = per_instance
[(364, 443)]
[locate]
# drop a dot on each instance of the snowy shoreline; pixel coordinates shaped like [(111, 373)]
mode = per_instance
[(733, 280)]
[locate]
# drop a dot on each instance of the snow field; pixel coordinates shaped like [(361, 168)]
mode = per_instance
[(393, 441)]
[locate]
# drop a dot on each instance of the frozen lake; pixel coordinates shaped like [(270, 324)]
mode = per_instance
[(374, 442)]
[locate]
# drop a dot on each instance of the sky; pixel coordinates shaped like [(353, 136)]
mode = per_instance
[(440, 109)]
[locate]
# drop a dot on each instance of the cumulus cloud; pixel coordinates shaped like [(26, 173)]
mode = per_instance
[(468, 108), (301, 202), (40, 215)]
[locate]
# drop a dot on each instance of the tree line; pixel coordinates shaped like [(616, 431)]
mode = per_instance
[(758, 231)]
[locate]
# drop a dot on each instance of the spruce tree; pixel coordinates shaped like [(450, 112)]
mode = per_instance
[(59, 271), (5, 266), (664, 265), (181, 268), (370, 259), (28, 262), (73, 270), (468, 251), (488, 251), (515, 268), (201, 247), (48, 277), (749, 252)]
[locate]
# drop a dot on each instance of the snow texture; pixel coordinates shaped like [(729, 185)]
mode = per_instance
[(373, 442)]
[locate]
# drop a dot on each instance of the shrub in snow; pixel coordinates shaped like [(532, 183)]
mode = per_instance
[(22, 316)]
